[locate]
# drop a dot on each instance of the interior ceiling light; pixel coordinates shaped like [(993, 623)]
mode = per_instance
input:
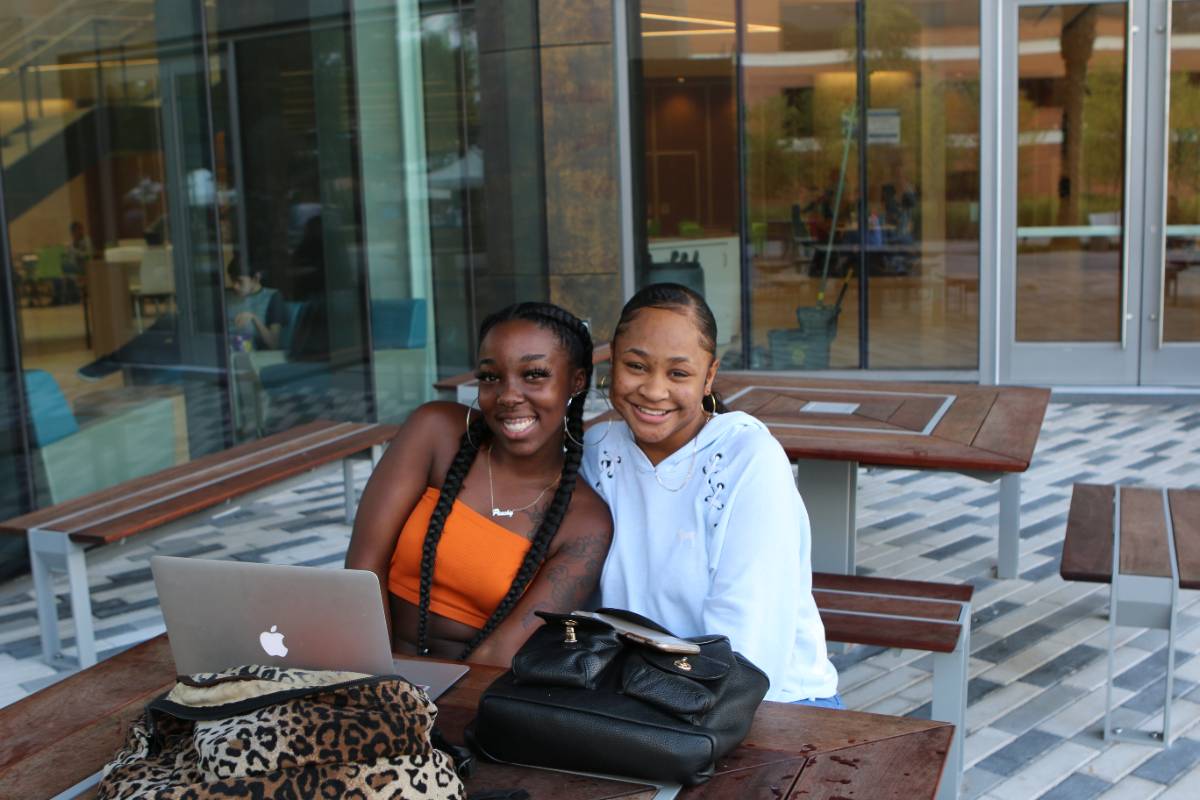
[(720, 23), (65, 66)]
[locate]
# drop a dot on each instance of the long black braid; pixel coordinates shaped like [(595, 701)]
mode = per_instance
[(574, 335)]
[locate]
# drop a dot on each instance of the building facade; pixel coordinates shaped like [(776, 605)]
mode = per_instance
[(997, 191)]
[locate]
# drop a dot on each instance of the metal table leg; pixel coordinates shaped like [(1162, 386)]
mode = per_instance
[(1009, 496), (830, 492)]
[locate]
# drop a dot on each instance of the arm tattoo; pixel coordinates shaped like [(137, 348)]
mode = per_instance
[(536, 515), (574, 573)]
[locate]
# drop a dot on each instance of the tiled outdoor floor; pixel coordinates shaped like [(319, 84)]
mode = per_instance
[(1038, 643)]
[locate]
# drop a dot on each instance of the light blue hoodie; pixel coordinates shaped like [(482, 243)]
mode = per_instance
[(725, 550)]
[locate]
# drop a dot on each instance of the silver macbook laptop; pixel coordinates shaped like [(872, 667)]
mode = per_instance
[(220, 614)]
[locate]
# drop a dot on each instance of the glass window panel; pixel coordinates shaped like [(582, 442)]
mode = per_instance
[(285, 132), (922, 230), (685, 146), (802, 183), (482, 166), (111, 203), (1070, 172), (1181, 275), (14, 481)]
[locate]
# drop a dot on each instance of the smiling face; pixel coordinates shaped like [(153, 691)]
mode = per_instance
[(525, 380), (661, 372)]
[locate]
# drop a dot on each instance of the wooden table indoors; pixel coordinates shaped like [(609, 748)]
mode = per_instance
[(829, 428)]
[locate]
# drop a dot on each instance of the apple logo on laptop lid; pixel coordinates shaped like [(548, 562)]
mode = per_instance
[(272, 642)]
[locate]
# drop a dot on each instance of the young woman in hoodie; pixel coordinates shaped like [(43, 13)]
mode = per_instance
[(710, 534)]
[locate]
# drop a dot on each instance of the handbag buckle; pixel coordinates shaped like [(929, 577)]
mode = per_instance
[(683, 664), (570, 626)]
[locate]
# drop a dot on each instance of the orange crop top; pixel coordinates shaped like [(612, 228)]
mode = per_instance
[(476, 562)]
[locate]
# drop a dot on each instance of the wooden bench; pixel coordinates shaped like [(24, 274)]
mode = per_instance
[(1150, 539), (59, 535), (916, 615)]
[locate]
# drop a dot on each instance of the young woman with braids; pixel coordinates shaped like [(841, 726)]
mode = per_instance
[(710, 534), (474, 518)]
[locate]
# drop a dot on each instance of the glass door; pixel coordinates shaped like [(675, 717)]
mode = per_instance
[(1171, 280), (1100, 237), (1066, 292)]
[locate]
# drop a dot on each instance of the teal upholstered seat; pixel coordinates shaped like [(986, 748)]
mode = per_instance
[(127, 441), (398, 323), (49, 413)]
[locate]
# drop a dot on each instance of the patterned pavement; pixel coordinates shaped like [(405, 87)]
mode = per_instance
[(1038, 643)]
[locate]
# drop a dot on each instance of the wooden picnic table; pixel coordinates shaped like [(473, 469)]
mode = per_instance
[(60, 534), (828, 428), (60, 737)]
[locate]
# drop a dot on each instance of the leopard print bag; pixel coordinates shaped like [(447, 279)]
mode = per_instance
[(260, 731)]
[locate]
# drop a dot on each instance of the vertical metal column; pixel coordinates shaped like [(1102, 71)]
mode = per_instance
[(744, 250), (863, 99)]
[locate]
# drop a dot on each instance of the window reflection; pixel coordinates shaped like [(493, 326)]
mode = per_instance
[(1070, 172), (98, 239), (814, 222), (688, 134), (1181, 273)]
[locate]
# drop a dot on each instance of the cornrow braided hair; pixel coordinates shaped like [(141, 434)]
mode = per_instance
[(576, 338), (676, 297)]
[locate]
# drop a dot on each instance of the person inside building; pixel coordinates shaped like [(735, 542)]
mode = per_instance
[(710, 535), (474, 518), (255, 313), (76, 254)]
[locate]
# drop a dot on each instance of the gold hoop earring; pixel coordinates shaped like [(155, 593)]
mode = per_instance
[(474, 406), (704, 408), (582, 397), (608, 412)]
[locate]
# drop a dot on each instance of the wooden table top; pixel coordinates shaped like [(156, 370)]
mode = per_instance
[(923, 425), (1088, 546), (143, 503), (59, 736)]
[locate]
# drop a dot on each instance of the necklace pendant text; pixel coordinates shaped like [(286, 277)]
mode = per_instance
[(502, 512)]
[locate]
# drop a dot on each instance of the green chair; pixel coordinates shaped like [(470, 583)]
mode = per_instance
[(48, 277), (758, 237)]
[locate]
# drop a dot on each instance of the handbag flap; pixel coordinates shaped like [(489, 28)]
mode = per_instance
[(712, 663)]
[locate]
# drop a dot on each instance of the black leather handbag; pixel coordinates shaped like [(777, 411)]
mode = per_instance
[(582, 697)]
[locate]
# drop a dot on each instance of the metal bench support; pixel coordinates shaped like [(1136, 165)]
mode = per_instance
[(1142, 601), (350, 496), (50, 552), (53, 551), (950, 702)]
